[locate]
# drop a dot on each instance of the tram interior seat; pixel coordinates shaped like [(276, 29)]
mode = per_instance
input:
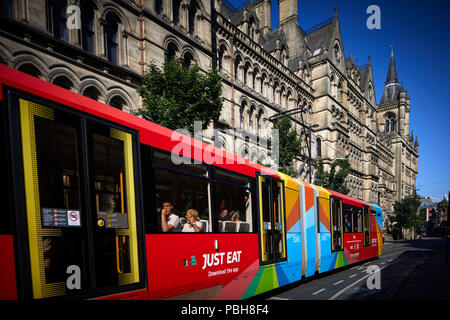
[(204, 225), (243, 227), (230, 226)]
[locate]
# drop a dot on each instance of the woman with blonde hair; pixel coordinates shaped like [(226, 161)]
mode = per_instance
[(235, 216), (192, 223)]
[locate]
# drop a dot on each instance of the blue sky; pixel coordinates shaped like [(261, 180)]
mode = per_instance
[(420, 33)]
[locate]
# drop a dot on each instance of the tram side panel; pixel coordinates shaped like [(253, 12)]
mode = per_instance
[(292, 269), (377, 229), (272, 276), (327, 257), (308, 230), (8, 286)]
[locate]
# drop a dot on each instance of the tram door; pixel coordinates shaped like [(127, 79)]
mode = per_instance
[(272, 220), (80, 205), (366, 217), (337, 235)]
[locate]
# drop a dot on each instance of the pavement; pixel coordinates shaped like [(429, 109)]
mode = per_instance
[(428, 278)]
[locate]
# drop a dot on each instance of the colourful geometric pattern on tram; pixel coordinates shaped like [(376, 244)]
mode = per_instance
[(379, 225)]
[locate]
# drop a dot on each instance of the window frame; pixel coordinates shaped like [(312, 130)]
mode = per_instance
[(210, 177), (353, 216), (87, 35), (155, 166), (274, 260), (250, 187), (341, 225), (54, 18)]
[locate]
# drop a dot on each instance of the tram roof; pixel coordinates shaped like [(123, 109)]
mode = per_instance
[(348, 200)]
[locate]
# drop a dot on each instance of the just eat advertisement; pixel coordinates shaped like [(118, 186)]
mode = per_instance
[(212, 265)]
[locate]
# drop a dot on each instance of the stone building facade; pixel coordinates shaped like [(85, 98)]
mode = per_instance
[(264, 72)]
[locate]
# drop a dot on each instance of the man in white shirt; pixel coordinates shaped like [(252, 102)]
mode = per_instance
[(170, 222)]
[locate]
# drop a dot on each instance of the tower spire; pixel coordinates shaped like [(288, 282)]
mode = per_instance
[(392, 77), (392, 85)]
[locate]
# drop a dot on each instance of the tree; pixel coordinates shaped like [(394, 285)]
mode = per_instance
[(333, 180), (176, 96), (289, 145), (405, 216)]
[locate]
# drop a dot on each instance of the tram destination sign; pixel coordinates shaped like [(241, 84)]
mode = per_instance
[(60, 218)]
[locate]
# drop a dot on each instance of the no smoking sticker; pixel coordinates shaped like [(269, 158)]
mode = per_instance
[(73, 218)]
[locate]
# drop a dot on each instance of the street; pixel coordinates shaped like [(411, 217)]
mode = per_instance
[(414, 269)]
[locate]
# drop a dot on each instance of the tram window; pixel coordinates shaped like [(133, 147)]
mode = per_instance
[(352, 218), (336, 233), (112, 252), (58, 164), (233, 209), (184, 192), (109, 174), (278, 221), (230, 177), (348, 221), (177, 162), (58, 179), (357, 220)]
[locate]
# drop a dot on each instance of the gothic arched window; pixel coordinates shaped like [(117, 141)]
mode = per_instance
[(237, 62), (56, 18), (111, 38), (187, 60), (193, 9), (222, 50), (390, 123), (259, 121), (251, 28), (176, 4), (117, 102), (30, 69), (87, 26), (263, 79), (242, 115), (6, 8), (250, 117), (158, 6), (172, 51), (246, 68), (91, 92), (318, 148), (254, 75), (63, 82)]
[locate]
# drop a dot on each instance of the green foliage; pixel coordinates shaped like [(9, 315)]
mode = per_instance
[(289, 145), (175, 96), (333, 180), (405, 214)]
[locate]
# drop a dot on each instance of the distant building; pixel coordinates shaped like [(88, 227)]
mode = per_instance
[(435, 213)]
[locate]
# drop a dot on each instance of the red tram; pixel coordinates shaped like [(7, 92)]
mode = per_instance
[(86, 188)]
